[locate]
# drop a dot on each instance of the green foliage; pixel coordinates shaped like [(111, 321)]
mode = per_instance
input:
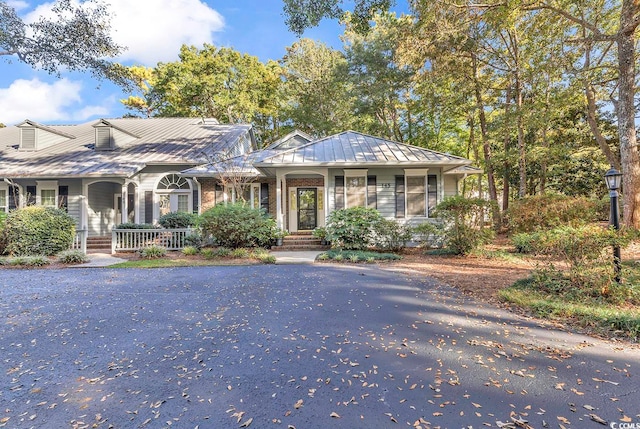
[(37, 230), (198, 240), (218, 252), (524, 242), (153, 252), (263, 256), (72, 37), (177, 220), (320, 232), (240, 253), (136, 226), (72, 257), (3, 236), (548, 211), (190, 250), (465, 223), (584, 251), (237, 225), (353, 228), (391, 235), (357, 256), (30, 261), (429, 235)]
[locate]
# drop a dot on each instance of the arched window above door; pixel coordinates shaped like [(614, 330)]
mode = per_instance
[(172, 182)]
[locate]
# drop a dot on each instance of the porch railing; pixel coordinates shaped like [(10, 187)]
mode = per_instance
[(129, 240), (80, 241)]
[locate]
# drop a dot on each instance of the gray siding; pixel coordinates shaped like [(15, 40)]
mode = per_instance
[(102, 215)]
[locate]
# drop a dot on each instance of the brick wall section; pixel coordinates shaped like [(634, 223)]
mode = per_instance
[(207, 192)]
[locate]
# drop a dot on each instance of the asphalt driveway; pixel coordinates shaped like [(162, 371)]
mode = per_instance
[(299, 346)]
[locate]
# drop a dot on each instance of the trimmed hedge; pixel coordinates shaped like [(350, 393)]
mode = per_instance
[(177, 220), (39, 230)]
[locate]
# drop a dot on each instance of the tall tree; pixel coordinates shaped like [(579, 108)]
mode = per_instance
[(213, 82), (316, 92), (76, 38), (303, 14), (382, 87)]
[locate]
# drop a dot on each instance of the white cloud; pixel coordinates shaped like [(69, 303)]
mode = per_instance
[(43, 102), (154, 30)]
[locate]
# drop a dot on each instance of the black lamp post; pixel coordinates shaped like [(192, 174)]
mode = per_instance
[(613, 178)]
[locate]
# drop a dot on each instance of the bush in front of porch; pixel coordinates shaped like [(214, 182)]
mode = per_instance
[(37, 230), (237, 225)]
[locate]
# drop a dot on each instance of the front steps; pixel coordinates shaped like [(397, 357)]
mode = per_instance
[(99, 244), (300, 242)]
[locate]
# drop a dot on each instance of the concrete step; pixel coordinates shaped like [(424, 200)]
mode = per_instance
[(285, 248)]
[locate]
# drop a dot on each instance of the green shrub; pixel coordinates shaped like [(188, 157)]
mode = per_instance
[(177, 220), (465, 223), (428, 234), (190, 250), (218, 252), (548, 211), (524, 242), (586, 252), (240, 253), (39, 230), (353, 228), (391, 235), (357, 256), (3, 237), (153, 252), (72, 257), (263, 256), (236, 225), (30, 261), (136, 226)]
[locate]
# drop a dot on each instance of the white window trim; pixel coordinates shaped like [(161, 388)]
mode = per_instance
[(416, 172), (47, 185), (351, 173), (5, 188)]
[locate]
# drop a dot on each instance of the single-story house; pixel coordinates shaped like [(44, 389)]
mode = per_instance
[(108, 172)]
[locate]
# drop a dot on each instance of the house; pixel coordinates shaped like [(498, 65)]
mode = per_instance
[(114, 171), (108, 172)]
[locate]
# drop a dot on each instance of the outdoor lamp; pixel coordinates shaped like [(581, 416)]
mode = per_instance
[(613, 178)]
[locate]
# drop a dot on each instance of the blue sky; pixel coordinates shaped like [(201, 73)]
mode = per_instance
[(153, 30)]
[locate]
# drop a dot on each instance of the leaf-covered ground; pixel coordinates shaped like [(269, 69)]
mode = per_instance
[(291, 347)]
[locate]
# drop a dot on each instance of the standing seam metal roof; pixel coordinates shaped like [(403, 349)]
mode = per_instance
[(351, 147), (161, 141)]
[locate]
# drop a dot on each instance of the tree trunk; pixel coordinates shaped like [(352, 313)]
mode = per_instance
[(486, 146), (505, 144), (612, 158), (630, 159)]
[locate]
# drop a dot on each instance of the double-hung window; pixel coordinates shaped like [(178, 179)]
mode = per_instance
[(3, 200), (355, 182), (416, 193)]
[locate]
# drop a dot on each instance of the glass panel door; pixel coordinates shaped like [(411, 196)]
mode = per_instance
[(307, 208)]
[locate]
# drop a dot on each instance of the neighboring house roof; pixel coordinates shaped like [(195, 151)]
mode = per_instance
[(292, 140), (355, 149), (145, 142)]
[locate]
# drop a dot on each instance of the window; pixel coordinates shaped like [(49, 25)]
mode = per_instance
[(356, 191), (355, 184), (48, 198), (432, 190), (174, 194), (63, 198), (3, 200), (416, 193)]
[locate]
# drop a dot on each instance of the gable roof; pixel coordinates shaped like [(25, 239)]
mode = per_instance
[(294, 139), (351, 148), (154, 141)]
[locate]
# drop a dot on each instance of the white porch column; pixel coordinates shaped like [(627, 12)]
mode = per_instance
[(325, 179), (84, 207), (279, 194), (124, 205)]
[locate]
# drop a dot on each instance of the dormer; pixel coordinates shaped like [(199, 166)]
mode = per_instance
[(34, 137), (110, 137)]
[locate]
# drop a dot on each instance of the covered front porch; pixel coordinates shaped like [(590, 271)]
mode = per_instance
[(301, 199)]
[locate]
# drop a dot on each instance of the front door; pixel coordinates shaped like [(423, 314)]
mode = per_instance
[(307, 208)]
